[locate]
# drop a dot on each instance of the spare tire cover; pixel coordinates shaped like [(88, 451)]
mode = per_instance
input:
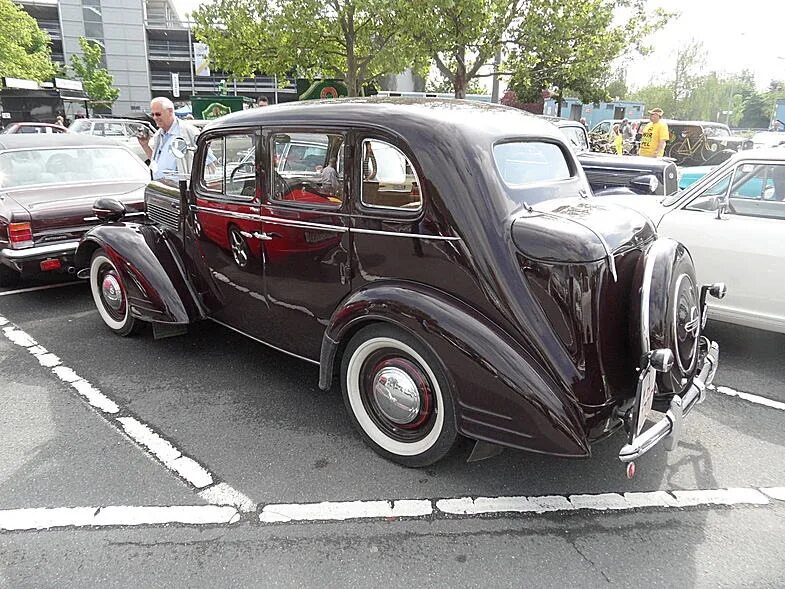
[(667, 310)]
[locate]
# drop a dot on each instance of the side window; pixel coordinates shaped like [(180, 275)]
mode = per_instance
[(705, 201), (751, 181), (758, 190), (388, 178), (229, 166), (114, 130), (307, 168)]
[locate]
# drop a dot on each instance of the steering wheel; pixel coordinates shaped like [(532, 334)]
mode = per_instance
[(244, 165)]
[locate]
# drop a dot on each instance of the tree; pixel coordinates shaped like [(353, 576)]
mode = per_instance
[(97, 81), (357, 40), (755, 112), (443, 85), (572, 46), (25, 50), (463, 35)]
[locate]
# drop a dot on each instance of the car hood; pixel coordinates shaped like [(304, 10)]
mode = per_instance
[(61, 206), (579, 230), (649, 205)]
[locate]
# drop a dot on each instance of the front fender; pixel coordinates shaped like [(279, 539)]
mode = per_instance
[(152, 269), (502, 395)]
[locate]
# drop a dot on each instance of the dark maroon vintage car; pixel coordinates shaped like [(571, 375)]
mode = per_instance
[(48, 184), (443, 260)]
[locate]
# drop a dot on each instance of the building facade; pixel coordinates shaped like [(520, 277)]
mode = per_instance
[(145, 42)]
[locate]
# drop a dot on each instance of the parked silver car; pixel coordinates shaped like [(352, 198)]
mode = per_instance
[(123, 130)]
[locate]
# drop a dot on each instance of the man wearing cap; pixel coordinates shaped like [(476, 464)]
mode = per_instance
[(654, 136)]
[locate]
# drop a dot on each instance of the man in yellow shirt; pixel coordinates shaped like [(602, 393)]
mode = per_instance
[(655, 135)]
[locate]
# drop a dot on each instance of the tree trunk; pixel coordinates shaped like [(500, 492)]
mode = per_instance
[(460, 76)]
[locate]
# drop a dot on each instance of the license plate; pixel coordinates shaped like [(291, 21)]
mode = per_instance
[(646, 398)]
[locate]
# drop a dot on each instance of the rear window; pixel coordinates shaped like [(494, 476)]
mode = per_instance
[(70, 164), (525, 163)]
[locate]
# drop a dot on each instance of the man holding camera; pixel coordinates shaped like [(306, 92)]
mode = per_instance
[(158, 147)]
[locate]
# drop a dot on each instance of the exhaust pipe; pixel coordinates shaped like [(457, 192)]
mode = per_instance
[(71, 270)]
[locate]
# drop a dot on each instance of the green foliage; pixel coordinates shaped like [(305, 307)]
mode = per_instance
[(755, 112), (443, 85), (617, 89), (357, 40), (97, 81), (572, 46), (463, 35), (689, 95), (25, 50)]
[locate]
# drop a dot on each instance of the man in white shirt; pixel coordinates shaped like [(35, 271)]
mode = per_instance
[(158, 147)]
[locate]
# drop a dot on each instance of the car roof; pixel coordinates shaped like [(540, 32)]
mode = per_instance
[(47, 140), (110, 120), (409, 117)]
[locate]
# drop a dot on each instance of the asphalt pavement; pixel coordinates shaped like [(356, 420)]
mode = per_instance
[(205, 439)]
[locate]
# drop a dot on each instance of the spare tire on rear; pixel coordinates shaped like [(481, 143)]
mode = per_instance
[(667, 311)]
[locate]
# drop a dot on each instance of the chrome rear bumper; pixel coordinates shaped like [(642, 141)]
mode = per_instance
[(62, 248), (669, 427)]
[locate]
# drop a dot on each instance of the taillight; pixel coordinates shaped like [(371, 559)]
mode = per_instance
[(20, 235)]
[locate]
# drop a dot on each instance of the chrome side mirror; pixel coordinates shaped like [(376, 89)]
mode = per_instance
[(178, 147), (721, 207), (108, 210)]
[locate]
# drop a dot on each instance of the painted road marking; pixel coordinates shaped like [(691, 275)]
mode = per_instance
[(462, 507), (34, 288), (115, 515), (188, 469), (757, 399)]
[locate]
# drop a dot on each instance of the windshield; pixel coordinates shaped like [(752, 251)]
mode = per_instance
[(716, 131), (70, 164)]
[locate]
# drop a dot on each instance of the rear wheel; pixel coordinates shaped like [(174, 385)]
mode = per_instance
[(397, 396), (110, 295)]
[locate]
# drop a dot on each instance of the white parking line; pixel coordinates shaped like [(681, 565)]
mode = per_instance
[(34, 288), (188, 469), (115, 515), (474, 506), (198, 515), (757, 399)]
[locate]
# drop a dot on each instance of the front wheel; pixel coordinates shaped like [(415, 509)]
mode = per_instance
[(110, 295), (397, 396)]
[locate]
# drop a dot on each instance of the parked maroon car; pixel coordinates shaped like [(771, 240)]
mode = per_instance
[(444, 260), (48, 184)]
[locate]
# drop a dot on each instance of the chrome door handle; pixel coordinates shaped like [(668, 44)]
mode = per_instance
[(256, 235)]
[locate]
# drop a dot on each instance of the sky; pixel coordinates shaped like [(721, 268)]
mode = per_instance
[(747, 34)]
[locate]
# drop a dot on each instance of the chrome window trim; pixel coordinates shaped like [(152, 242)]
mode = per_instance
[(408, 211), (414, 235), (322, 226)]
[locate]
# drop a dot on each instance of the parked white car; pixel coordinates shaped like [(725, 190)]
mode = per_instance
[(124, 131), (733, 223)]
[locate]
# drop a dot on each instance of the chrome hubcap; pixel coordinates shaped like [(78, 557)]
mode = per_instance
[(111, 292), (238, 249), (396, 395)]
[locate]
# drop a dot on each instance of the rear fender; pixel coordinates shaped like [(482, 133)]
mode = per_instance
[(502, 395), (153, 271)]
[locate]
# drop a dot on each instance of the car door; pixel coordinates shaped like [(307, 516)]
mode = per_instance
[(227, 228), (742, 247), (306, 221)]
